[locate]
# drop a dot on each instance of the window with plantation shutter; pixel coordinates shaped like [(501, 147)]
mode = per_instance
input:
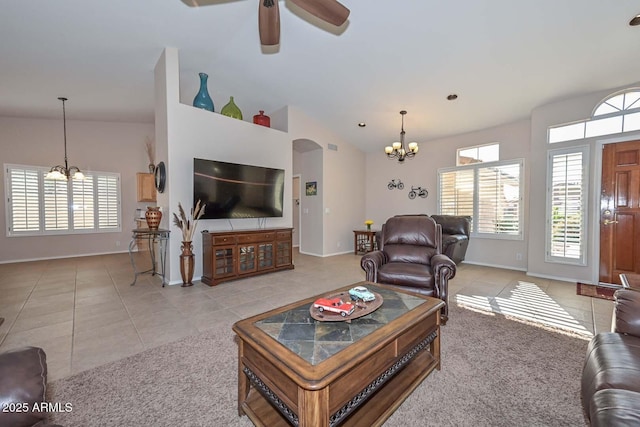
[(491, 193), (24, 203), (56, 204), (36, 205), (499, 199), (566, 205), (108, 202), (456, 192), (83, 206)]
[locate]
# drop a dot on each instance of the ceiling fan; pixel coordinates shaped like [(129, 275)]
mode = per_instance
[(330, 11)]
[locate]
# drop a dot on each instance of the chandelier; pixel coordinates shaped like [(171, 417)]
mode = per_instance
[(64, 172), (397, 150)]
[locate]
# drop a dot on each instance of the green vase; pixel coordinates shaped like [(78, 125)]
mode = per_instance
[(231, 110)]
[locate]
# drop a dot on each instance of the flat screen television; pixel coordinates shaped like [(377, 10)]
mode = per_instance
[(232, 190)]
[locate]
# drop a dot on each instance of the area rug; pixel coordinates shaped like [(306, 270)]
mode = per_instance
[(495, 372), (596, 291)]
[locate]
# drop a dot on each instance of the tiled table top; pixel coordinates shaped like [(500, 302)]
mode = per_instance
[(316, 341)]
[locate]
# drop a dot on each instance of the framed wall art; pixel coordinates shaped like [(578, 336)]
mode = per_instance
[(311, 188)]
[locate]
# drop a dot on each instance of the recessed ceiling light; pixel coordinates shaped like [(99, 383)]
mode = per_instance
[(635, 21), (452, 97), (362, 124)]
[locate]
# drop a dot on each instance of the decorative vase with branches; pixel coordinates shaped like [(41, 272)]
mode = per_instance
[(150, 148), (188, 227)]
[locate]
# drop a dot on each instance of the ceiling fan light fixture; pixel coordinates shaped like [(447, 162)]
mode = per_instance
[(397, 150)]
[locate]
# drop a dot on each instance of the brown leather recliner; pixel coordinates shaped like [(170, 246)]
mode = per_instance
[(410, 257), (23, 385), (611, 372), (456, 230)]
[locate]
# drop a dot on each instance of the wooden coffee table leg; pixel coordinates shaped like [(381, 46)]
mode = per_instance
[(435, 344), (313, 407), (243, 380)]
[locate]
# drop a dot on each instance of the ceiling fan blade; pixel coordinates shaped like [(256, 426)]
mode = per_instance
[(269, 22), (330, 11)]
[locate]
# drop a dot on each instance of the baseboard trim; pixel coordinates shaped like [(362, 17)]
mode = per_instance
[(339, 253), (309, 253), (505, 267), (561, 279), (325, 255), (64, 257)]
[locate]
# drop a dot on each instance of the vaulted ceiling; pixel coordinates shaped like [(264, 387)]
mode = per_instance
[(501, 57)]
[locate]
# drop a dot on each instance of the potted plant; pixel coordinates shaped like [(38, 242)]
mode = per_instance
[(188, 227)]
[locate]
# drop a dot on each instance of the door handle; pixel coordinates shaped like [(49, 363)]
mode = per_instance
[(607, 221)]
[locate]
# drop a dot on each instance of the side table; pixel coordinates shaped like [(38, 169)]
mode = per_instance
[(364, 241), (161, 236)]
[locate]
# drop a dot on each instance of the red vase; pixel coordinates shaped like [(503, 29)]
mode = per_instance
[(262, 120)]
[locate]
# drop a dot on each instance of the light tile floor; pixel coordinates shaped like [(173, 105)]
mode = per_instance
[(84, 312)]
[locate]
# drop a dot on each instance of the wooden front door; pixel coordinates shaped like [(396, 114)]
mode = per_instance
[(620, 211)]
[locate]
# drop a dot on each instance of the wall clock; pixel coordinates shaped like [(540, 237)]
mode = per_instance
[(160, 177)]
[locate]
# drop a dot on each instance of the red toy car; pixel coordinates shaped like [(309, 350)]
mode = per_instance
[(335, 305)]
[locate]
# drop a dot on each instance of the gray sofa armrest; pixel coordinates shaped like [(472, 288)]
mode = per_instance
[(627, 311), (370, 263)]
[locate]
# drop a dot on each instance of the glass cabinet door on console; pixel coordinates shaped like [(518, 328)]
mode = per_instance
[(265, 256), (283, 253), (246, 258), (284, 256), (223, 262)]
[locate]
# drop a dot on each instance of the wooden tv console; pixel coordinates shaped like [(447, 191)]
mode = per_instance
[(231, 255)]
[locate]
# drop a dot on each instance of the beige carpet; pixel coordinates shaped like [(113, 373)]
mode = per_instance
[(495, 372)]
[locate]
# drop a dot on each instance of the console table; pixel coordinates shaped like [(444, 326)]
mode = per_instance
[(161, 236), (231, 255)]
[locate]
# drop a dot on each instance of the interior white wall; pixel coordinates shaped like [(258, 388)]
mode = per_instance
[(309, 166), (91, 145), (344, 199), (342, 186), (192, 132), (296, 197), (556, 113)]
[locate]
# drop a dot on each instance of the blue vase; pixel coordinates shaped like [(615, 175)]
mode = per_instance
[(202, 99)]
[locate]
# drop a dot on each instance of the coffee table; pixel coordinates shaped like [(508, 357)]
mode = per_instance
[(294, 370)]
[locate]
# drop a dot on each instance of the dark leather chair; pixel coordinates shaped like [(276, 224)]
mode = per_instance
[(23, 383), (611, 372), (409, 257), (456, 230)]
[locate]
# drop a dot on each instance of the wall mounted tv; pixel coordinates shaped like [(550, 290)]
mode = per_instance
[(232, 190)]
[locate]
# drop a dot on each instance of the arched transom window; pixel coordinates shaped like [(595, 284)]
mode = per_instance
[(617, 114)]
